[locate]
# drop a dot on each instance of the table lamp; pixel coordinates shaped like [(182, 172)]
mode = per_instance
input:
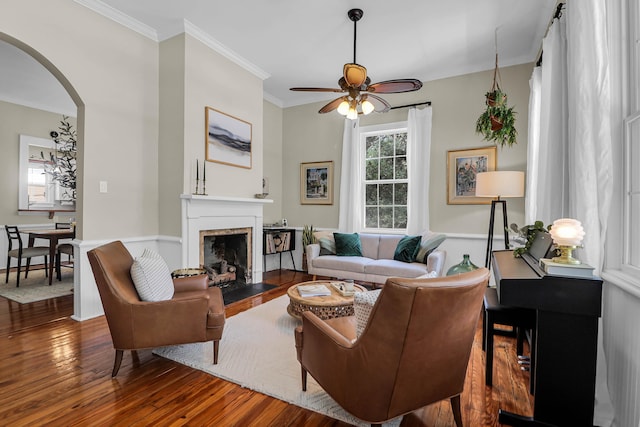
[(567, 234), (499, 184)]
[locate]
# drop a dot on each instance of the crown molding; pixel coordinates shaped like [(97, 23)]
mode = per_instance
[(119, 17), (215, 45)]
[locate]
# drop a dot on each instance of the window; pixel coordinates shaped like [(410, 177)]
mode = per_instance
[(631, 232), (386, 180)]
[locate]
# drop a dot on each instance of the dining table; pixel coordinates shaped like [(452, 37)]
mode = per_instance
[(53, 236)]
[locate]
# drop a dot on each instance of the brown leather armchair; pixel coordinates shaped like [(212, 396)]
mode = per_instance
[(194, 314), (414, 350)]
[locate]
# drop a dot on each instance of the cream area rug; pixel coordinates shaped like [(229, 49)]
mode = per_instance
[(36, 286), (257, 351)]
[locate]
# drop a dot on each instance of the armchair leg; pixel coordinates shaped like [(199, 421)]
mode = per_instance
[(455, 408), (216, 345), (304, 378), (117, 363)]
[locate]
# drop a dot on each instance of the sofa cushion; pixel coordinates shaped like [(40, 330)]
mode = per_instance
[(347, 244), (407, 248), (151, 277), (354, 264), (369, 245), (387, 244), (430, 243), (390, 267), (363, 303), (326, 242)]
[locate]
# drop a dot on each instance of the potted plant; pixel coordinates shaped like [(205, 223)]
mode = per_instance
[(525, 235), (307, 239), (497, 121)]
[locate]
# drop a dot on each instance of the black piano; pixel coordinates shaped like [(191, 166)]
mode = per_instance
[(566, 339)]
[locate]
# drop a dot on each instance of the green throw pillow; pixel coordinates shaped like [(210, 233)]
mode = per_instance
[(429, 245), (407, 248), (347, 244)]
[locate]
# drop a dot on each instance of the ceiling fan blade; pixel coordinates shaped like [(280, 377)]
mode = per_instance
[(332, 105), (395, 86), (354, 74), (381, 106), (316, 89)]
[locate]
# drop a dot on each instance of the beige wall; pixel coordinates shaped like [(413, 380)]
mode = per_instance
[(14, 121), (273, 161), (457, 102), (213, 81), (113, 74)]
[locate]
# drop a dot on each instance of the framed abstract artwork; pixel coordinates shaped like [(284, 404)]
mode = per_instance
[(462, 168), (227, 139), (316, 183)]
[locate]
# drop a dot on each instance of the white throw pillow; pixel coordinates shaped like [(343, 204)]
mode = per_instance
[(429, 275), (151, 277), (363, 303)]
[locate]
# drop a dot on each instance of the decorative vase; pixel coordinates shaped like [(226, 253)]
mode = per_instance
[(464, 267)]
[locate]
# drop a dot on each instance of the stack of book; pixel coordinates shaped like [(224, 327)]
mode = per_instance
[(569, 270), (313, 291)]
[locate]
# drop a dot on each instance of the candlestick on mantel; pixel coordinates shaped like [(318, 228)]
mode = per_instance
[(197, 180), (197, 171), (204, 177)]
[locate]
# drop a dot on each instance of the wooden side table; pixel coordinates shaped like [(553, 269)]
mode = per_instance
[(325, 307)]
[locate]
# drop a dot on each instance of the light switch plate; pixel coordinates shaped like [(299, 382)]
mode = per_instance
[(103, 186)]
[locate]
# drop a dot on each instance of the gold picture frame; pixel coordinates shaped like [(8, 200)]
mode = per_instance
[(316, 183), (227, 139), (462, 167)]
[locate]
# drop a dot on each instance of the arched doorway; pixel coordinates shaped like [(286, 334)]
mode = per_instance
[(36, 93)]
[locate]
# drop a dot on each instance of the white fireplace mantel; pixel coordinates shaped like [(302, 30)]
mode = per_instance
[(201, 212)]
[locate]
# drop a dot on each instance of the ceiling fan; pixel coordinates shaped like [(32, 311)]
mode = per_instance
[(360, 97)]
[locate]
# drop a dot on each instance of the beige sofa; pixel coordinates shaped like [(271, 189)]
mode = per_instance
[(376, 264)]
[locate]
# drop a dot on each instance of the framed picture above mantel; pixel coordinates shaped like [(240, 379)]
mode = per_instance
[(462, 168), (227, 139), (316, 183)]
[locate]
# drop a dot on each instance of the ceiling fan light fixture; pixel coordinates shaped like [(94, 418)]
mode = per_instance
[(354, 74), (352, 114), (343, 108), (367, 107)]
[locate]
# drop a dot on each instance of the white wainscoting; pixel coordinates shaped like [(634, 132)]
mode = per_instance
[(621, 339), (87, 303)]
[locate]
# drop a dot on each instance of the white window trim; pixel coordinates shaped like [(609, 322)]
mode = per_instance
[(371, 130)]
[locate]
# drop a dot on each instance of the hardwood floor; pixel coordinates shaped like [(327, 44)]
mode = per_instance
[(57, 371)]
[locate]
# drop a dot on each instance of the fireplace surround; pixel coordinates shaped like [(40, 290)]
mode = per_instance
[(215, 215)]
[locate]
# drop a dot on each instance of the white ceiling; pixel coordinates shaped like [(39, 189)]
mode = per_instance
[(293, 43)]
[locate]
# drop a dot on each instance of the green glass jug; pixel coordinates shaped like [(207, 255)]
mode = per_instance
[(464, 267)]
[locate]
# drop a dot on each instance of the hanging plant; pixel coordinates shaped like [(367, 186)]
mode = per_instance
[(62, 164), (497, 123)]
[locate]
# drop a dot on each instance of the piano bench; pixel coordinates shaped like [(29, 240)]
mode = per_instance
[(520, 319)]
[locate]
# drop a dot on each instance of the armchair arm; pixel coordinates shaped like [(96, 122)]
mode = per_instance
[(435, 261), (170, 322), (191, 283)]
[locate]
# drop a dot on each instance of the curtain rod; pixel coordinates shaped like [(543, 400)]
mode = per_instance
[(411, 105), (556, 15)]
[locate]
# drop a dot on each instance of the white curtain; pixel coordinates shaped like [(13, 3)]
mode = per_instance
[(419, 153), (589, 149), (351, 214), (546, 200), (574, 166), (533, 147)]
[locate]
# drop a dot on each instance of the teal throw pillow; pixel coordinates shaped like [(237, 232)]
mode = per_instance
[(347, 244), (407, 248), (429, 245)]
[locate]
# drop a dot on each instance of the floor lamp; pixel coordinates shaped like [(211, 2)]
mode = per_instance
[(499, 184)]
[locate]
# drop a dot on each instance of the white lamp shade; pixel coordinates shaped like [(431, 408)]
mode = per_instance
[(500, 184), (567, 232)]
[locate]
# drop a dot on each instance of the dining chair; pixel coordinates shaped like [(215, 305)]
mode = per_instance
[(21, 252), (63, 248)]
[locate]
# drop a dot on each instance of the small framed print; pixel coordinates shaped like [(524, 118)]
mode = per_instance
[(316, 183), (227, 139), (462, 168)]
